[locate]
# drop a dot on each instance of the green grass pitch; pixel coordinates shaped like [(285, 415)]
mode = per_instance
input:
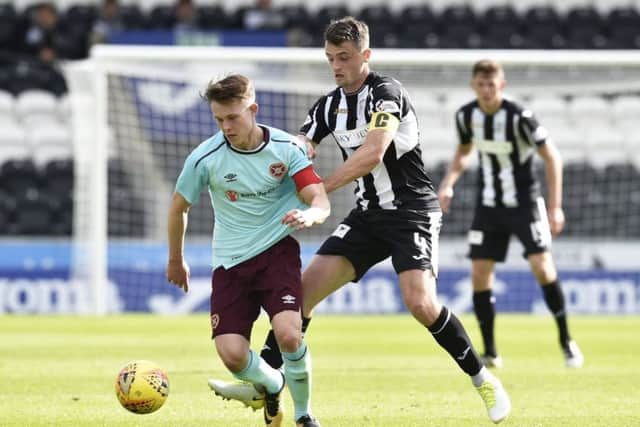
[(368, 371)]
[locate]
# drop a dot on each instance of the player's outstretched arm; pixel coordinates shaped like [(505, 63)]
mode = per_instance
[(319, 209), (460, 161), (177, 268), (553, 169)]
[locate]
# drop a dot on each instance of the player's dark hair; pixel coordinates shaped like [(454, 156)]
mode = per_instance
[(348, 29), (487, 67), (231, 88)]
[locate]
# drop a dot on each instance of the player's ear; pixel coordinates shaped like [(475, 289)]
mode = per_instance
[(366, 54), (254, 108)]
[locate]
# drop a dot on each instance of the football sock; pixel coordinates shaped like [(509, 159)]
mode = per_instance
[(484, 305), (271, 352), (297, 371), (555, 301), (450, 334), (259, 372)]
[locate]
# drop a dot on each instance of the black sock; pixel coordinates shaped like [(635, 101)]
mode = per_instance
[(305, 324), (271, 352), (450, 334), (555, 301), (484, 305)]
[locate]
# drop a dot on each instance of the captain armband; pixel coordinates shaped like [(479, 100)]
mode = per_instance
[(384, 121)]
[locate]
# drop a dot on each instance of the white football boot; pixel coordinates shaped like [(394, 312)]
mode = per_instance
[(243, 392), (495, 397)]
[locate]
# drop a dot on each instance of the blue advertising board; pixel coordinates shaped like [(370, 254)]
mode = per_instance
[(35, 279)]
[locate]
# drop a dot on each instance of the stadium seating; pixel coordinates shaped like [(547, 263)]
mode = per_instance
[(35, 141)]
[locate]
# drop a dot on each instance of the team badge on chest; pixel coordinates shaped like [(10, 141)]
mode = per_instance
[(277, 170)]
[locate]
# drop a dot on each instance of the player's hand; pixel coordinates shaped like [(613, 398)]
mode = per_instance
[(300, 219), (311, 151), (445, 194), (556, 220), (178, 273)]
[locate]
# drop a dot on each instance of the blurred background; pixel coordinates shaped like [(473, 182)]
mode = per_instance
[(50, 134)]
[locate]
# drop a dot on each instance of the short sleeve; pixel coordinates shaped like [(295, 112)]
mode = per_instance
[(298, 158), (462, 127), (387, 97), (192, 179), (532, 131), (315, 126)]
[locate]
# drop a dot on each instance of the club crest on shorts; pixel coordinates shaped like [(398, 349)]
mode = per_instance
[(277, 170), (231, 195), (215, 319)]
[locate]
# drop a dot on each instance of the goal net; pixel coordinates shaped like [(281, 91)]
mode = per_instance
[(137, 113)]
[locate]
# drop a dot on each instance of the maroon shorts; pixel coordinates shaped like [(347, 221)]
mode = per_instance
[(270, 280)]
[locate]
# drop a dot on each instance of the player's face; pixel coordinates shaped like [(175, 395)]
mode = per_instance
[(349, 65), (236, 119), (488, 89)]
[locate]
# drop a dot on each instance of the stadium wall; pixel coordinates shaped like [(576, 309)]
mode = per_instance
[(34, 279)]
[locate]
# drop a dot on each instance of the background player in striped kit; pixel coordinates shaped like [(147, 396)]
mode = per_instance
[(397, 214), (509, 201), (262, 186)]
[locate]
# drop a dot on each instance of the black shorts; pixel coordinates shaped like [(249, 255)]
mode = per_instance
[(492, 228), (367, 237), (271, 280)]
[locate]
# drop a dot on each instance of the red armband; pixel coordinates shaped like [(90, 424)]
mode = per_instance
[(305, 177)]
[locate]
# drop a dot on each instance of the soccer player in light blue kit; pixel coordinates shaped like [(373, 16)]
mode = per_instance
[(262, 186)]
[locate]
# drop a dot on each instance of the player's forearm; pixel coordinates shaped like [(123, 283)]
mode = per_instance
[(177, 227), (553, 170), (456, 168), (554, 182), (362, 162)]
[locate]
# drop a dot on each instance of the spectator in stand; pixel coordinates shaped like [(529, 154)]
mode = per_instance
[(44, 37), (263, 17), (109, 21), (185, 16)]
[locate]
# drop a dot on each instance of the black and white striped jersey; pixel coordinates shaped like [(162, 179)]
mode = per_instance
[(506, 142), (400, 180)]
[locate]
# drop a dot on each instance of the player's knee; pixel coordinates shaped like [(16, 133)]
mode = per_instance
[(235, 361), (289, 339)]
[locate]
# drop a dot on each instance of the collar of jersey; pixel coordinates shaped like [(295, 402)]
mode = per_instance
[(266, 138)]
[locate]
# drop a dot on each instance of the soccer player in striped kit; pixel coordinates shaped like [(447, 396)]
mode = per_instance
[(507, 136), (397, 214)]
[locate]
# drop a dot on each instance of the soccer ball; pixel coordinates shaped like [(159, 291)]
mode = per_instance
[(142, 386)]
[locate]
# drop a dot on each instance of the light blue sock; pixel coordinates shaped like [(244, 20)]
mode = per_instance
[(297, 371), (259, 372)]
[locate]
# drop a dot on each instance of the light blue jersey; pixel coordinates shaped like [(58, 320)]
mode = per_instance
[(250, 191)]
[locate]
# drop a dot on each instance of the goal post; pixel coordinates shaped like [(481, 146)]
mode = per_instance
[(137, 113)]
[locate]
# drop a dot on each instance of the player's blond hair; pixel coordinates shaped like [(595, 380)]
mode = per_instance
[(231, 88), (348, 29)]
